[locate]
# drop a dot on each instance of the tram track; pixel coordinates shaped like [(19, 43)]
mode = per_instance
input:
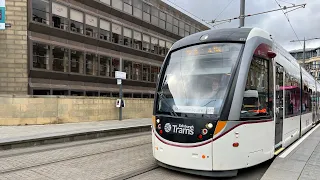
[(84, 155), (136, 173)]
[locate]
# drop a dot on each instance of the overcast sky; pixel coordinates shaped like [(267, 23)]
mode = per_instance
[(305, 21)]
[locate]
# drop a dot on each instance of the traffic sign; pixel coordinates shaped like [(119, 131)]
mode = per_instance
[(120, 75), (2, 14)]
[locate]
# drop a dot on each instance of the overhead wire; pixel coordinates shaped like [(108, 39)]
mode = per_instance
[(190, 13), (223, 10), (289, 22)]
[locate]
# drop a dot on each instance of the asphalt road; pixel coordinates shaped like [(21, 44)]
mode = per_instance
[(121, 157)]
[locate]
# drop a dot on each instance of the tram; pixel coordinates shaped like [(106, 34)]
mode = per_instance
[(229, 99)]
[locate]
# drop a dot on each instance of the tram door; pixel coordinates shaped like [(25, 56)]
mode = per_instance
[(279, 104)]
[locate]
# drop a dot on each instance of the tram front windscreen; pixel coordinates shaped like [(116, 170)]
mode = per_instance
[(195, 79)]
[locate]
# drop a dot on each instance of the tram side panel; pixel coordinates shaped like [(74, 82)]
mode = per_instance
[(291, 130), (255, 146)]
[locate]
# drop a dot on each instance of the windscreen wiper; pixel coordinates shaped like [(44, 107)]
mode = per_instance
[(163, 99)]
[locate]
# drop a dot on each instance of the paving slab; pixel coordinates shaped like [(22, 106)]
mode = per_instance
[(301, 163), (32, 135)]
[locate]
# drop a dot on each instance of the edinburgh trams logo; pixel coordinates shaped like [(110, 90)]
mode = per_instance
[(179, 129)]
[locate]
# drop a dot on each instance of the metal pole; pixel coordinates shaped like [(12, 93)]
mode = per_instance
[(304, 52), (242, 10), (120, 94)]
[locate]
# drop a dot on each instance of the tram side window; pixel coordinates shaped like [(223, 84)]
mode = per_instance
[(256, 95), (306, 100), (292, 96)]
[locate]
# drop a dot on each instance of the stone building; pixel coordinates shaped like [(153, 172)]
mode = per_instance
[(74, 47)]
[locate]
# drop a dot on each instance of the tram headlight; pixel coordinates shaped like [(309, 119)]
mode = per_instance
[(209, 125)]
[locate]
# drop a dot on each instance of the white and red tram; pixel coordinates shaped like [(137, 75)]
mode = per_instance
[(229, 99)]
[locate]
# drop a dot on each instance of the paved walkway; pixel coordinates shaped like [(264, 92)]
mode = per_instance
[(17, 133), (302, 163)]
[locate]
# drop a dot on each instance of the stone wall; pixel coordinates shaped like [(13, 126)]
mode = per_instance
[(27, 110), (13, 49)]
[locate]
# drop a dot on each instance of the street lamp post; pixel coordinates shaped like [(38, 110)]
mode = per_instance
[(304, 47)]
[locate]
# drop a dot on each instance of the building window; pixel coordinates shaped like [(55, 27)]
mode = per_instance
[(146, 43), (104, 30), (127, 37), (91, 26), (154, 73), (91, 64), (137, 8), (169, 23), (60, 16), (77, 61), (137, 69), (105, 94), (154, 45), (162, 24), (162, 15), (137, 40), (60, 59), (41, 92), (146, 73), (175, 22), (154, 20), (41, 56), (169, 27), (181, 32), (105, 66), (127, 67), (146, 12), (117, 4), (76, 93), (116, 34), (60, 92), (187, 27), (115, 66), (155, 16), (127, 5), (162, 47), (187, 32), (162, 20), (175, 29), (168, 46), (181, 29), (193, 30), (92, 93), (137, 95), (76, 24), (40, 11)]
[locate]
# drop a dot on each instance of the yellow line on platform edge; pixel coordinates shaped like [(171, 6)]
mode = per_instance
[(278, 151)]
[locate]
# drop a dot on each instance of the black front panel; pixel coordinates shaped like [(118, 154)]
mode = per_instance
[(184, 130)]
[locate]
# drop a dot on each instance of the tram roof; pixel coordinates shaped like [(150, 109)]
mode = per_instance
[(228, 34)]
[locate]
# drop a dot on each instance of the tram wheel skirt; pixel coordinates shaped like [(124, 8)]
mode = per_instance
[(230, 173)]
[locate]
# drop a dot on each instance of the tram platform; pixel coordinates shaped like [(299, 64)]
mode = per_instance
[(299, 161), (33, 135)]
